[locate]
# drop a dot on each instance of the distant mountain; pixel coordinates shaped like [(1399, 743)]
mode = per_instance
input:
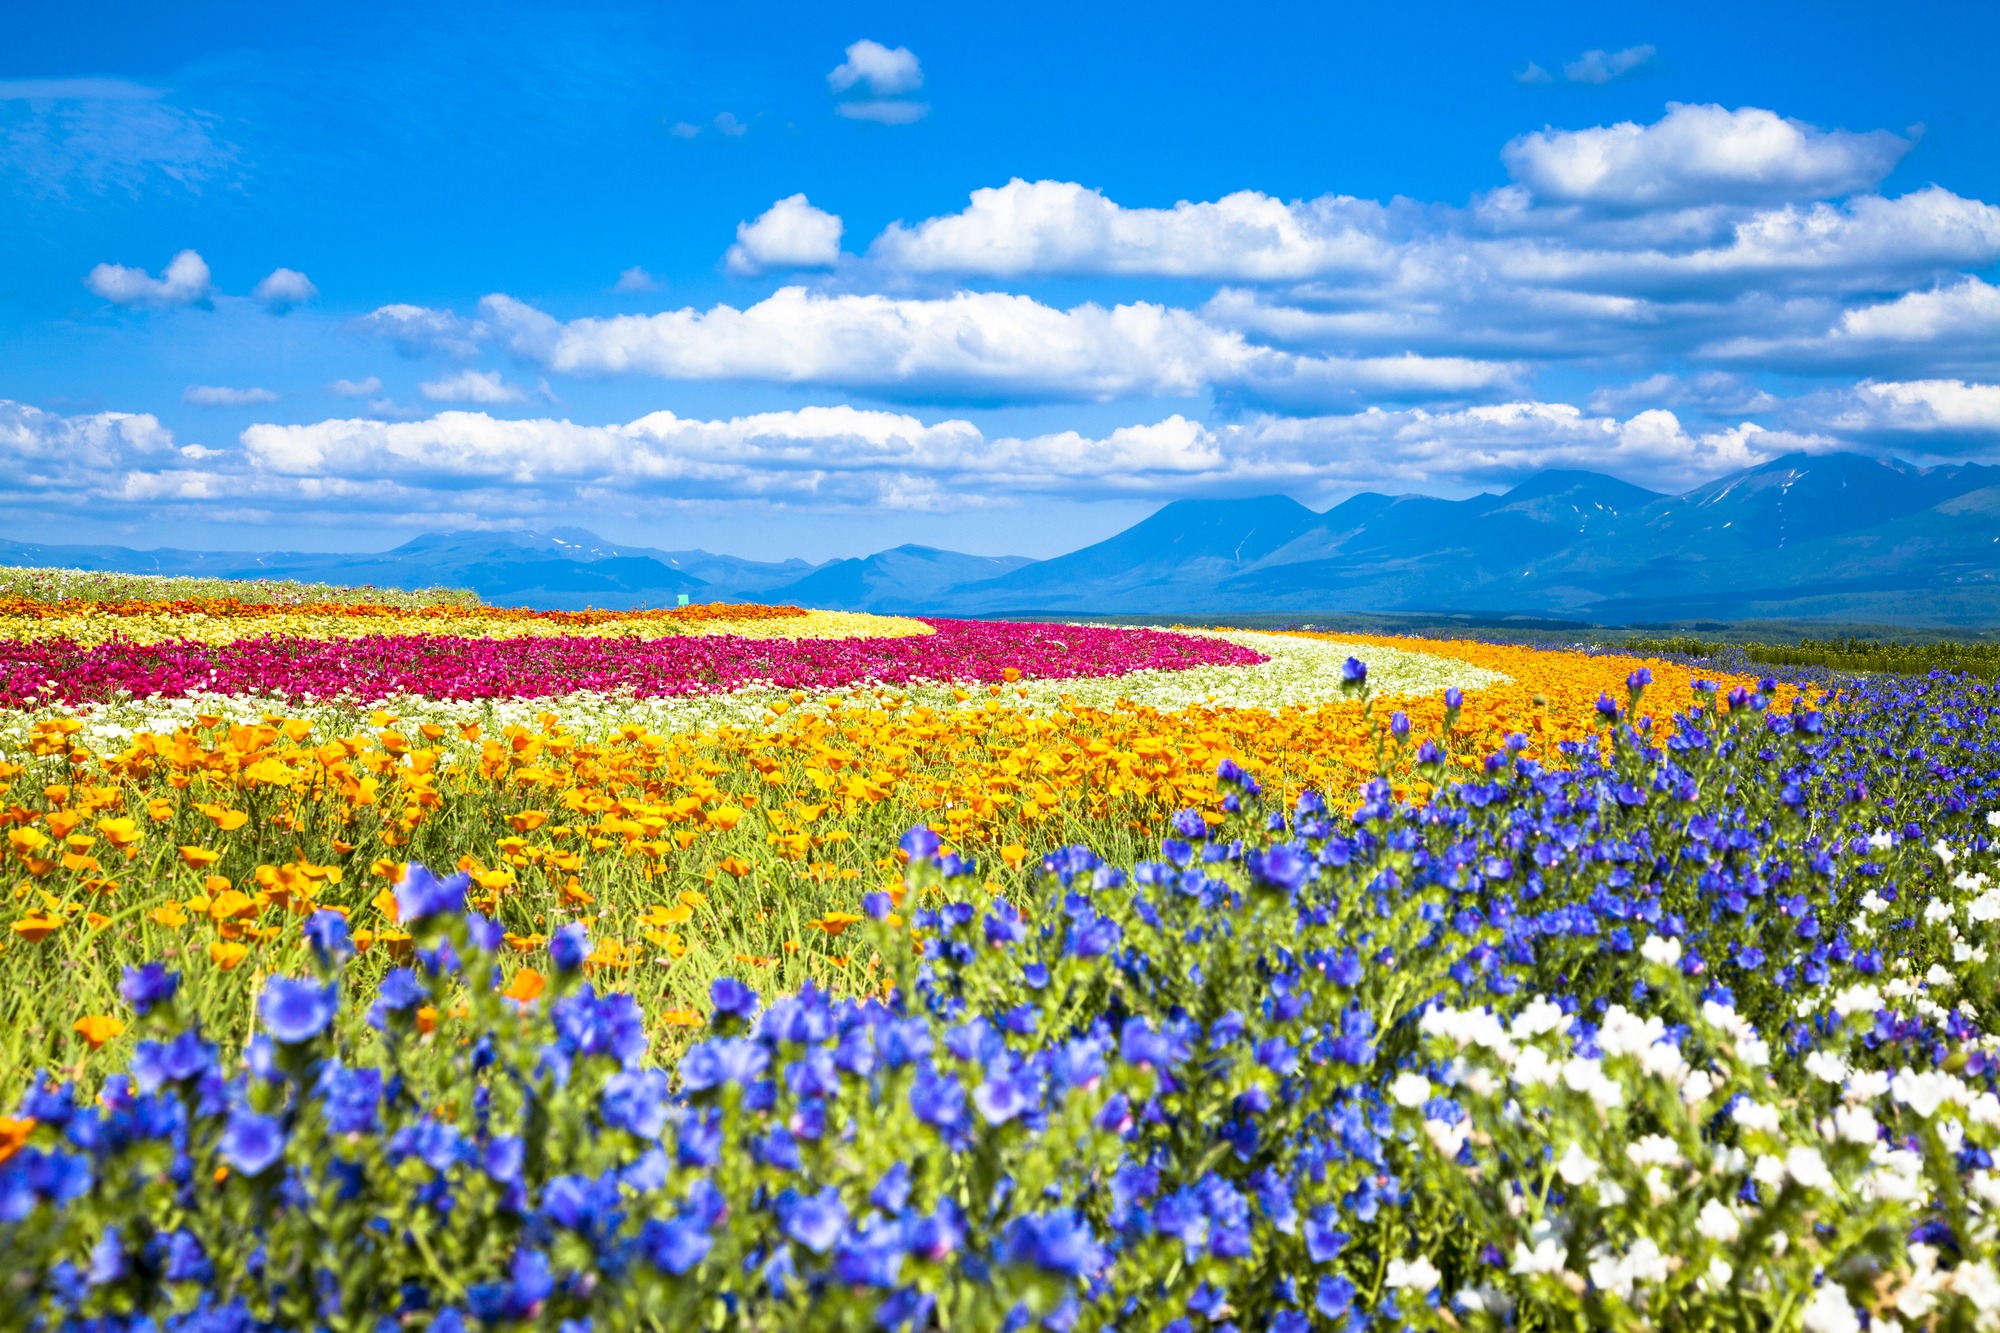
[(1826, 537), (568, 568), (904, 578), (1806, 536)]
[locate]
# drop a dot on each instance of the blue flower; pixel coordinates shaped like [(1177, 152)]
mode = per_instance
[(326, 930), (722, 1062), (1334, 1296), (732, 999), (675, 1246), (815, 1220), (351, 1098), (252, 1142), (569, 947), (1353, 674), (147, 986), (421, 895), (295, 1011), (636, 1101), (920, 844), (1057, 1242)]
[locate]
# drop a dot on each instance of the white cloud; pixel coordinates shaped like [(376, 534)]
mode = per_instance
[(1532, 73), (1698, 155), (1946, 326), (1044, 227), (1948, 407), (971, 343), (58, 135), (789, 234), (727, 124), (886, 72), (284, 288), (1604, 66), (636, 279), (184, 281), (884, 111), (217, 395), (72, 458), (885, 75), (418, 329), (355, 388), (472, 386)]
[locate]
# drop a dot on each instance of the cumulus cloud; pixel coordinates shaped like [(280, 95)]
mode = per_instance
[(971, 344), (284, 288), (184, 281), (790, 234), (355, 388), (217, 395), (1058, 227), (1947, 326), (885, 72), (1604, 66), (1698, 155), (416, 329), (73, 457), (1943, 416), (885, 75), (472, 386), (636, 279)]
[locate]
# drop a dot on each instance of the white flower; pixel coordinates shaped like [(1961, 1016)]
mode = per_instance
[(1829, 1311), (1484, 1300), (1663, 1061), (1867, 1085), (1855, 1124), (1753, 1052), (1860, 999), (1448, 1137), (1940, 978), (1918, 1296), (1546, 1258), (1665, 952), (1993, 819), (1881, 840), (1986, 907), (1925, 1092), (1898, 1176), (1768, 1170), (1720, 1274), (1696, 1088), (1418, 1275), (1756, 1116), (1576, 1166), (1937, 909), (1983, 1109), (1872, 902), (1725, 1020), (1619, 1273), (1410, 1090), (1942, 852), (1534, 1069), (1826, 1067), (1654, 1150), (1977, 1283), (1625, 1033), (1808, 1168), (1588, 1077), (1540, 1017), (1718, 1222)]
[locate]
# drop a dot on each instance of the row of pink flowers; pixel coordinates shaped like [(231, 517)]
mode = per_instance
[(61, 671)]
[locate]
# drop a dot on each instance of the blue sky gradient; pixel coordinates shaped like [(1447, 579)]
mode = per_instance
[(1802, 256)]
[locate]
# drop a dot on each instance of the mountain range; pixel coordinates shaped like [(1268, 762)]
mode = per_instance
[(1804, 537)]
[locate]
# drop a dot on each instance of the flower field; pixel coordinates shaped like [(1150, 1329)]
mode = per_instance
[(454, 967)]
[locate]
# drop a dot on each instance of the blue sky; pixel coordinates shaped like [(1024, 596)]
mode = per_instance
[(815, 280)]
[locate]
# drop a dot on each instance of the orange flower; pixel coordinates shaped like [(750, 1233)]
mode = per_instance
[(526, 985), (734, 865), (833, 923), (98, 1029), (14, 1132), (34, 929), (226, 954), (427, 1020), (199, 858), (682, 1018)]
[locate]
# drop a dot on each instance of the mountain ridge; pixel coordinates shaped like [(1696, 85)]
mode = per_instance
[(1804, 536)]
